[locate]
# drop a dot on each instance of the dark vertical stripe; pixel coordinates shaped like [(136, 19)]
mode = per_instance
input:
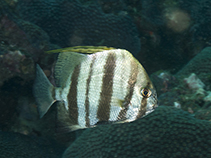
[(103, 112), (131, 83), (142, 110), (87, 93), (72, 96)]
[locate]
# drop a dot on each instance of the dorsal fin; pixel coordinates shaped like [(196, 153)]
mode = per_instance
[(66, 63), (81, 49), (69, 58)]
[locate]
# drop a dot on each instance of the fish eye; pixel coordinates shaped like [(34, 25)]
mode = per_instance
[(145, 92)]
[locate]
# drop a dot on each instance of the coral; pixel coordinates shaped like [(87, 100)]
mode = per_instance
[(14, 145), (200, 65), (12, 59), (15, 63), (167, 132), (163, 81), (191, 100), (69, 23), (169, 98), (195, 84), (204, 113), (177, 105), (22, 44), (19, 34), (208, 97), (190, 86)]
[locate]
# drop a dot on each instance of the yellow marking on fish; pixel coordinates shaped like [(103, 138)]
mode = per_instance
[(81, 49)]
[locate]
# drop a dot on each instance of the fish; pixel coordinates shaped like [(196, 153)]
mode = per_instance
[(95, 85)]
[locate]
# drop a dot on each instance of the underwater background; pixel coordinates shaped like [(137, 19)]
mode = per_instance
[(170, 38)]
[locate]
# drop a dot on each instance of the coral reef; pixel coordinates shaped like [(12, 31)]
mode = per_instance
[(23, 35), (172, 34), (21, 45), (189, 88), (167, 132), (69, 23), (195, 84), (189, 94), (163, 81)]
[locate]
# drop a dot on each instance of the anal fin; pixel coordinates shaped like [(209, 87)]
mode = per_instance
[(63, 121)]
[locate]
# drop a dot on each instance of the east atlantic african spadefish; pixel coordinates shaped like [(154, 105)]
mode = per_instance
[(96, 84)]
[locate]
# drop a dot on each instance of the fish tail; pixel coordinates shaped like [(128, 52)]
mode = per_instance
[(43, 91)]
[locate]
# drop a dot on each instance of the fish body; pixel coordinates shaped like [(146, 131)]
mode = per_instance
[(102, 86)]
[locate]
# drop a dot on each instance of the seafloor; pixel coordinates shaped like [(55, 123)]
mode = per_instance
[(170, 38)]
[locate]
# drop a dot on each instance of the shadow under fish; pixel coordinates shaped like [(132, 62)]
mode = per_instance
[(96, 85)]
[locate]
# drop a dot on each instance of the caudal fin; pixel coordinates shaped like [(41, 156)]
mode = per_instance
[(43, 90)]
